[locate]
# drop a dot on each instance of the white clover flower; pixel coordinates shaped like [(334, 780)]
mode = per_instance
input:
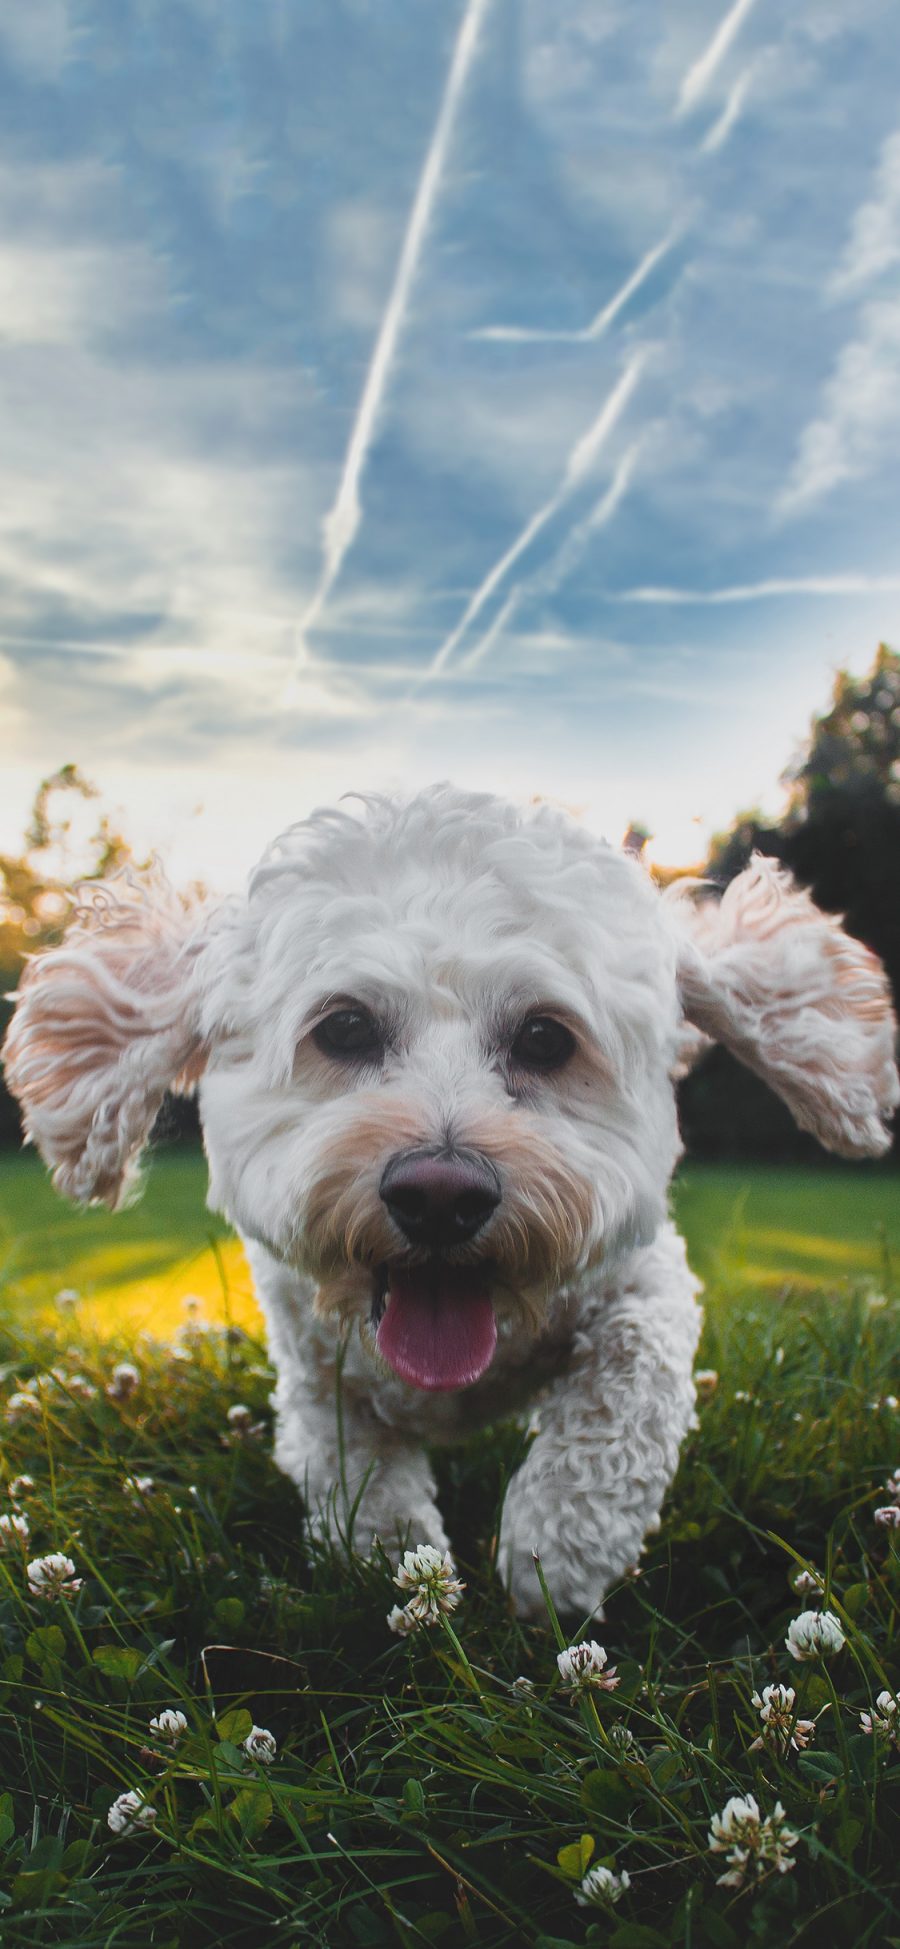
[(20, 1487), (126, 1378), (523, 1687), (888, 1516), (623, 1740), (814, 1634), (170, 1726), (14, 1531), (751, 1844), (727, 1827), (807, 1583), (66, 1297), (130, 1814), (52, 1576), (73, 1385), (884, 1721), (601, 1888), (706, 1380), (139, 1485), (195, 1330), (781, 1731), (79, 1385), (402, 1622), (582, 1668), (21, 1404), (429, 1577), (241, 1425), (260, 1745)]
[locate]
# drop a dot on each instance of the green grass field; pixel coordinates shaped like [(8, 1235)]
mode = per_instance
[(418, 1793)]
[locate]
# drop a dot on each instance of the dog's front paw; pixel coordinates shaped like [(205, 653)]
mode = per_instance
[(376, 1519), (397, 1530), (576, 1593)]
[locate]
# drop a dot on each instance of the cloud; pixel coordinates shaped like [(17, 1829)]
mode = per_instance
[(13, 717), (700, 74), (578, 464), (858, 424), (149, 501), (342, 521), (36, 36), (53, 293), (362, 233), (527, 335), (874, 243)]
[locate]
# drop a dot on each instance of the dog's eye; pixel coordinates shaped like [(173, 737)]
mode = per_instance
[(543, 1043), (348, 1032)]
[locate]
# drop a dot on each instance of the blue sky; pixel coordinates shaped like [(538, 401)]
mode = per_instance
[(506, 390)]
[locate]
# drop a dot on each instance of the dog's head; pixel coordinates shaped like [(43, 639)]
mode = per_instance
[(435, 1046), (438, 1082)]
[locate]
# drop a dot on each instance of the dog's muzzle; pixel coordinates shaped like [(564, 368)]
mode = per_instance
[(436, 1325)]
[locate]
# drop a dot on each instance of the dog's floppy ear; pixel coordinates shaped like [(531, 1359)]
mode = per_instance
[(103, 1026), (801, 1003)]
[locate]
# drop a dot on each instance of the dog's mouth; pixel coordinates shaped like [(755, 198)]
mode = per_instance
[(435, 1322)]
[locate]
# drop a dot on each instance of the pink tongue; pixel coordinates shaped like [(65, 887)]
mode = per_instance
[(438, 1329)]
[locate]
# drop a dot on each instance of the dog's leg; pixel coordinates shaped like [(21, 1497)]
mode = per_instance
[(359, 1477), (611, 1429), (359, 1482)]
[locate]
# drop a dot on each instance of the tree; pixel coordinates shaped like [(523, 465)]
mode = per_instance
[(840, 833), (36, 883)]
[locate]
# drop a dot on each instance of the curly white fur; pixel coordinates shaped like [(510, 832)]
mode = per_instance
[(800, 1002), (103, 1027), (452, 918)]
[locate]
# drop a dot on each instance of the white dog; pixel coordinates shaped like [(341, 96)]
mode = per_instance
[(435, 1046)]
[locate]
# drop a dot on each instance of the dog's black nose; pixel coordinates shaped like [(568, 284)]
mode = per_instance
[(439, 1198)]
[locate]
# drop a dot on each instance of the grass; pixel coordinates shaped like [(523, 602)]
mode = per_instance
[(418, 1795)]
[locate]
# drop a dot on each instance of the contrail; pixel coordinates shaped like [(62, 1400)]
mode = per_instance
[(721, 129), (503, 616), (580, 460), (788, 585), (529, 335), (549, 579), (342, 521), (697, 79), (599, 517)]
